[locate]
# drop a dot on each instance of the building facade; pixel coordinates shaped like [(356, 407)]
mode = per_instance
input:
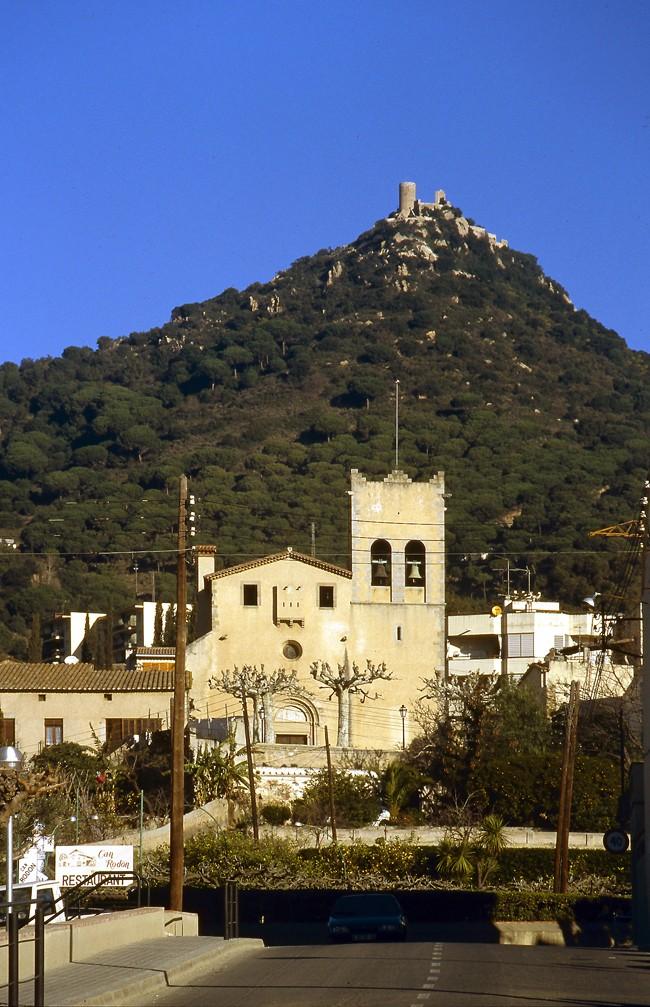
[(47, 704), (289, 610), (535, 642)]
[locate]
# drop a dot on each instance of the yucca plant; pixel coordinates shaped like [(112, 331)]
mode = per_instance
[(472, 852)]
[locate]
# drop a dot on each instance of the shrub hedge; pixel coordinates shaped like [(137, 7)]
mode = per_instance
[(278, 863)]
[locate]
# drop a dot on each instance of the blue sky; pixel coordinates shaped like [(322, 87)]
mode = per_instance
[(156, 152)]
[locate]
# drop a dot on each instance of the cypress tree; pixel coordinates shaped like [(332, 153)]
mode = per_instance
[(169, 638), (158, 626), (35, 646), (87, 647)]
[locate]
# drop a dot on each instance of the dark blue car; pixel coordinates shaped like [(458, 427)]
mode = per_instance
[(367, 917)]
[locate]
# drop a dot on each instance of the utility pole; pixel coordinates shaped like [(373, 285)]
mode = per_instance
[(251, 773), (643, 939), (396, 423), (176, 844), (330, 786), (561, 879)]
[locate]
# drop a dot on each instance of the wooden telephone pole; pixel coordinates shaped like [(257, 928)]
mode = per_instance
[(330, 786), (176, 841), (251, 768), (566, 791)]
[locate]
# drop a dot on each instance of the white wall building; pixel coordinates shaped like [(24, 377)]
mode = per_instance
[(527, 632)]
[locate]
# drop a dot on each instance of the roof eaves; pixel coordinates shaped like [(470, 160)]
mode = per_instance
[(338, 571)]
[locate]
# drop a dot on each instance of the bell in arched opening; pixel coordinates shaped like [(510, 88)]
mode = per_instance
[(380, 563), (415, 565)]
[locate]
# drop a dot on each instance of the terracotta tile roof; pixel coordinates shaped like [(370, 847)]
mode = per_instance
[(19, 676), (338, 571)]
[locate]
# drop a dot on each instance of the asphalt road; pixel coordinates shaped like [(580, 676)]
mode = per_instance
[(419, 974)]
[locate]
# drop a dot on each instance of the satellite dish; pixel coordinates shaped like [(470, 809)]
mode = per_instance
[(497, 610)]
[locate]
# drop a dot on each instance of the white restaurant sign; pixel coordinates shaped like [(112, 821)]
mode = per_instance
[(73, 864)]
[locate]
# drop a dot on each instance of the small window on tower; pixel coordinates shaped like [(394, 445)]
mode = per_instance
[(251, 595), (326, 596)]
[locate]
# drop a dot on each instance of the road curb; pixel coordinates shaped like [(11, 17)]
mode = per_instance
[(154, 981), (227, 950)]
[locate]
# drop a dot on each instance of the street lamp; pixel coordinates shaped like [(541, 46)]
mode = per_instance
[(262, 716), (75, 818), (402, 712), (10, 758)]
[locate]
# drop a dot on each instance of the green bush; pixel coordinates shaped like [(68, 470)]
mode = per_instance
[(355, 800), (276, 863), (275, 814)]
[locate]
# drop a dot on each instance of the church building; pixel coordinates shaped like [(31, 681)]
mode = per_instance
[(289, 610)]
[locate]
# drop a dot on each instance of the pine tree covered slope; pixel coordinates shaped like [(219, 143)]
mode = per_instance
[(267, 397)]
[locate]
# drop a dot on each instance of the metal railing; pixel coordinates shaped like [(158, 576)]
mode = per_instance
[(16, 910), (88, 886), (13, 951), (230, 910)]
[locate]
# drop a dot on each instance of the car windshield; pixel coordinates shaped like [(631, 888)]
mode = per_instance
[(367, 905)]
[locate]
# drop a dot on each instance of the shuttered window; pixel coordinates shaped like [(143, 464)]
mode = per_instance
[(120, 730), (521, 645)]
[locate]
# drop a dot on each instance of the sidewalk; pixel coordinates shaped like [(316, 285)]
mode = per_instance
[(142, 969)]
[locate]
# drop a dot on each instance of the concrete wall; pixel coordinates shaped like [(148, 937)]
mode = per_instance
[(80, 940)]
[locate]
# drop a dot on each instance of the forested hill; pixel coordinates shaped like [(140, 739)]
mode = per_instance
[(267, 397)]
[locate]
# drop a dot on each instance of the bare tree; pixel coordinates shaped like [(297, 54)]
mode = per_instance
[(347, 682), (261, 686)]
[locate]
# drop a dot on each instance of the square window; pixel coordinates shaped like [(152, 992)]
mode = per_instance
[(251, 595), (326, 596), (7, 731), (53, 732)]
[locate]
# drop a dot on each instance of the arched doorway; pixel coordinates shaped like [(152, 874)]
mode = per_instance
[(293, 723)]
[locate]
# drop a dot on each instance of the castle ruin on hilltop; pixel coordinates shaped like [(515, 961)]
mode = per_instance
[(410, 207)]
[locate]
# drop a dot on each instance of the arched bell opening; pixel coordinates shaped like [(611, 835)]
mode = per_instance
[(415, 568), (380, 563)]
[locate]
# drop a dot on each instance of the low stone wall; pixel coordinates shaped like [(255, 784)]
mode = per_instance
[(214, 816), (431, 836)]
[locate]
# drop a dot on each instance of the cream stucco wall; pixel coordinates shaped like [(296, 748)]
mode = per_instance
[(287, 611), (82, 713)]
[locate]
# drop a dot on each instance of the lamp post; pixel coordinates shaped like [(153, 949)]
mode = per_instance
[(262, 716), (75, 819), (141, 817), (10, 758), (402, 712)]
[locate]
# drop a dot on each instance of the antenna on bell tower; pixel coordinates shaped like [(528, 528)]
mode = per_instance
[(396, 423)]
